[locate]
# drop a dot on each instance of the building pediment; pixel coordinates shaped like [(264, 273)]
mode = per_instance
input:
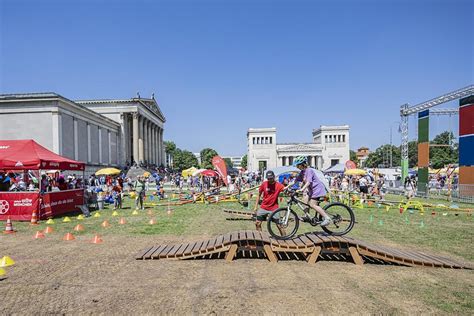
[(298, 148)]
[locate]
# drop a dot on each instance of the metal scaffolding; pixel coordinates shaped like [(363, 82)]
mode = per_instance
[(406, 110)]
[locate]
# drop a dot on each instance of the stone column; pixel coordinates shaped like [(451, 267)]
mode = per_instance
[(140, 139), (136, 147), (123, 137), (161, 147), (158, 145), (146, 139), (155, 144)]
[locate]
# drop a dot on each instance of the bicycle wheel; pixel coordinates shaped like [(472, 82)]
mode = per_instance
[(283, 223), (342, 216)]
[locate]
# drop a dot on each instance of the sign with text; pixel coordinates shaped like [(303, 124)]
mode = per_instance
[(18, 205), (56, 203)]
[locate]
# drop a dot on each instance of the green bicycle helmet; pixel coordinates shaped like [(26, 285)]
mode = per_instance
[(299, 160)]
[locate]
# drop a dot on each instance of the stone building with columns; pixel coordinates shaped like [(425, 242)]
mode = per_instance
[(330, 146), (141, 127), (97, 132)]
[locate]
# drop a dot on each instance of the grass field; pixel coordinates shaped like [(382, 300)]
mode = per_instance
[(439, 289)]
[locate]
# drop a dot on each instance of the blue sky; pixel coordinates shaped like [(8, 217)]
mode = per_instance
[(220, 67)]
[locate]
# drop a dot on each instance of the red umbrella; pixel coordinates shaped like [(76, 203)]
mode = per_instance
[(209, 173)]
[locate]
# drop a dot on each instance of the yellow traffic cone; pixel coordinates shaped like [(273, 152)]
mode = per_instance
[(66, 219), (2, 272), (50, 221), (97, 214), (80, 217), (6, 262), (135, 212), (115, 213)]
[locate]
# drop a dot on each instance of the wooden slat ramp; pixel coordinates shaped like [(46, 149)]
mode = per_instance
[(309, 247)]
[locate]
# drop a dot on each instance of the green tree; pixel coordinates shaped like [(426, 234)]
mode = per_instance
[(170, 147), (353, 157), (412, 154), (381, 157), (228, 163), (206, 157), (184, 159), (244, 162), (445, 154)]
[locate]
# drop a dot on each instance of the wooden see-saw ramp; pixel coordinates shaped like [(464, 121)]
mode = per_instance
[(309, 247)]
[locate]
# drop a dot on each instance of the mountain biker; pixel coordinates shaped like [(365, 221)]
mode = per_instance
[(269, 191), (314, 188)]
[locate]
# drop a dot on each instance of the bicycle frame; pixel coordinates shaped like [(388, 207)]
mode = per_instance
[(290, 202)]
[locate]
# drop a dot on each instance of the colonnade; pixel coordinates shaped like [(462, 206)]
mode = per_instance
[(313, 161), (143, 139)]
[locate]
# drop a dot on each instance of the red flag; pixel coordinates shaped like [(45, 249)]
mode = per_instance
[(221, 168)]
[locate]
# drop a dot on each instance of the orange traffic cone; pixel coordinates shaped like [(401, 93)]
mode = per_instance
[(97, 240), (152, 221), (48, 230), (79, 228), (122, 221), (105, 224), (39, 234), (9, 227), (68, 237), (34, 218)]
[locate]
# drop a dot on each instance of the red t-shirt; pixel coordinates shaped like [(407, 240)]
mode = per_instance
[(270, 194)]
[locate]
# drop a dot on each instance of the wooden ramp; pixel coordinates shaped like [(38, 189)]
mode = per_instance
[(309, 247)]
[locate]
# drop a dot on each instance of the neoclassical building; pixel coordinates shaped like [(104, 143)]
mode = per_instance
[(141, 127), (330, 146), (98, 132)]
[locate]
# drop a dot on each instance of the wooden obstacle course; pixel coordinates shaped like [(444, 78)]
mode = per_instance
[(310, 247)]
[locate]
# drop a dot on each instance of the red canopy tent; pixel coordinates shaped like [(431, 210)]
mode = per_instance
[(29, 155), (17, 155)]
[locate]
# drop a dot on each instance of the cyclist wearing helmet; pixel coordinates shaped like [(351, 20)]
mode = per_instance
[(314, 188)]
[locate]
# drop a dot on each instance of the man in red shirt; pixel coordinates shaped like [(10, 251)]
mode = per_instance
[(269, 191)]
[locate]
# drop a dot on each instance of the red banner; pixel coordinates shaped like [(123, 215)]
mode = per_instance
[(56, 203), (18, 205), (219, 164)]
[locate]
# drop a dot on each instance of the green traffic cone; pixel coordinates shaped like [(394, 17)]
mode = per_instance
[(381, 222), (422, 224)]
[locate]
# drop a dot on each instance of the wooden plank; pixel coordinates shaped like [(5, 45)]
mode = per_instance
[(266, 238), (144, 253), (196, 247), (308, 242), (220, 250), (164, 252), (299, 243), (156, 253), (231, 253), (211, 243), (383, 258), (173, 250), (219, 241), (226, 240), (355, 256), (181, 250), (234, 236), (315, 239), (204, 245), (311, 258), (188, 248)]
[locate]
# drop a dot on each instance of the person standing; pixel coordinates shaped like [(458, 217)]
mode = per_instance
[(139, 188)]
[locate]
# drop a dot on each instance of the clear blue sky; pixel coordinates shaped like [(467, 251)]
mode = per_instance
[(220, 67)]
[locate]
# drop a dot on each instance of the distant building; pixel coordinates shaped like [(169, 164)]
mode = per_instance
[(97, 132), (330, 146), (362, 154), (236, 161)]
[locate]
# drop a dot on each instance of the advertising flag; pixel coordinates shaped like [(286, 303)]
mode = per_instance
[(221, 168)]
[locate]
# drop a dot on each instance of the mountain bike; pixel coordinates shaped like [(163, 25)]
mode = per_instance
[(284, 222)]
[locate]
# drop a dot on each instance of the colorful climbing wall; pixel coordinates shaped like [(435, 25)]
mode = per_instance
[(466, 146), (423, 150)]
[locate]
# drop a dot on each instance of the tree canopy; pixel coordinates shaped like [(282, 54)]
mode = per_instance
[(206, 157), (244, 162), (184, 159)]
